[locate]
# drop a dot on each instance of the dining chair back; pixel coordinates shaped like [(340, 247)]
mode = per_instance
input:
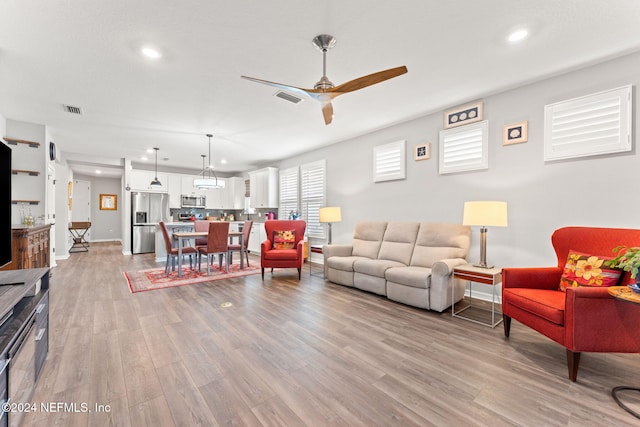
[(246, 233), (172, 253), (201, 225), (217, 244)]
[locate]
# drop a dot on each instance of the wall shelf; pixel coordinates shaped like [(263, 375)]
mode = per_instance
[(28, 202), (28, 172), (14, 141)]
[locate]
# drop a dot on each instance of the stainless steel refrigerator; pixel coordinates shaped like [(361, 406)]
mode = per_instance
[(147, 209)]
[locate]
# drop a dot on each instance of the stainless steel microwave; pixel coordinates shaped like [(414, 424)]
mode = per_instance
[(193, 201)]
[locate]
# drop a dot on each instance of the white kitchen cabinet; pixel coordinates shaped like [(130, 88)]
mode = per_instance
[(215, 197), (263, 184), (174, 187), (258, 235), (234, 193), (140, 180), (188, 188)]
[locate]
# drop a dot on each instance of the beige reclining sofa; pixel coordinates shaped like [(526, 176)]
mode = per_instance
[(408, 262)]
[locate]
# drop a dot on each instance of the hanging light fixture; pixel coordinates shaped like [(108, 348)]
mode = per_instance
[(156, 182), (209, 182)]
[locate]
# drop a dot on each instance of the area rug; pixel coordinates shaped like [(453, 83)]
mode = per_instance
[(154, 278)]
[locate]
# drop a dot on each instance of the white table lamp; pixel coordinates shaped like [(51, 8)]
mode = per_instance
[(329, 215), (485, 214)]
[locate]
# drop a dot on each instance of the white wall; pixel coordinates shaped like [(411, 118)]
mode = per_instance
[(541, 196)]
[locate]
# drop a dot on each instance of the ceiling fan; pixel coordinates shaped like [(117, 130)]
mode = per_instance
[(324, 90)]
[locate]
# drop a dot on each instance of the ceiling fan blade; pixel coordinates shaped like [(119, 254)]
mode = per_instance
[(299, 90), (327, 112), (368, 80)]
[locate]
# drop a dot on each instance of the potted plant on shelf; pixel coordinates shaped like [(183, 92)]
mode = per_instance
[(627, 259)]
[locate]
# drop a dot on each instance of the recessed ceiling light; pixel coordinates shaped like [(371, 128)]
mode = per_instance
[(223, 161), (98, 171), (149, 150), (518, 35), (143, 158), (150, 52)]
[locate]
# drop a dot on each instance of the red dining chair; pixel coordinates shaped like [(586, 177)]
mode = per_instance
[(217, 244), (172, 253), (246, 233), (200, 225)]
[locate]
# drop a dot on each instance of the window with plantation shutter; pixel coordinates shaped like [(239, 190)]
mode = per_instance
[(389, 162), (590, 125), (289, 199), (312, 192), (464, 148)]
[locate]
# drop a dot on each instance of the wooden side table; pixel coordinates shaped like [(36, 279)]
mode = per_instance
[(623, 293), (485, 276)]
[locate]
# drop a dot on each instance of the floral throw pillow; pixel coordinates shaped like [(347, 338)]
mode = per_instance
[(284, 239), (587, 270)]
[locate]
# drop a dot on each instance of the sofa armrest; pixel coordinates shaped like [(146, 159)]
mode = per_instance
[(445, 267), (336, 250), (533, 278)]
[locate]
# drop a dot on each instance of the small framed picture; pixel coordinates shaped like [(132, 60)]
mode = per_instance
[(422, 151), (463, 115), (515, 133), (108, 202)]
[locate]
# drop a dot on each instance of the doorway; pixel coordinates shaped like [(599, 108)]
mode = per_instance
[(81, 211)]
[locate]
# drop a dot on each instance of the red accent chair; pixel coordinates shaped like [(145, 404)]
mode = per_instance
[(283, 258), (583, 318)]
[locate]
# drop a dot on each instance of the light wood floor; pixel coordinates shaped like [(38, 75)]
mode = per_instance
[(298, 353)]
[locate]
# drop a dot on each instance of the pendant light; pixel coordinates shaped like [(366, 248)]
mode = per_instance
[(208, 183), (156, 182)]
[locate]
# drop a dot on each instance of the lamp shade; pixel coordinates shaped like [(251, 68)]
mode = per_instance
[(485, 213), (330, 214)]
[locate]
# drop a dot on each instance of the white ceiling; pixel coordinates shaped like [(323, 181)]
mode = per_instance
[(85, 53)]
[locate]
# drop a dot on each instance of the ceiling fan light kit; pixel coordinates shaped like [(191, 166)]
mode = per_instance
[(324, 90), (208, 182)]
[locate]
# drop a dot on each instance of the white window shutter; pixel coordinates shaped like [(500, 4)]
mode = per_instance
[(313, 190), (389, 161), (595, 124), (289, 183), (464, 148)]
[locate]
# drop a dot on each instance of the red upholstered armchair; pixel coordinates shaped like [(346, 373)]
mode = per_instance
[(276, 254), (583, 318)]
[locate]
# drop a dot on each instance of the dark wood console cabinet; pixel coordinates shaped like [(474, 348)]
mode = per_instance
[(29, 247)]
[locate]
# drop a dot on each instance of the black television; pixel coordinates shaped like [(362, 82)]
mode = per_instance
[(5, 204)]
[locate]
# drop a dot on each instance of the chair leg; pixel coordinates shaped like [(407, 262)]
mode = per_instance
[(573, 361), (262, 273), (299, 273), (506, 322), (166, 265), (246, 253)]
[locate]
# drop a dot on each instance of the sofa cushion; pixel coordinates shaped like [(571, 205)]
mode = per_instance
[(438, 241), (416, 277), (374, 267), (343, 263), (545, 303), (367, 238), (587, 270), (398, 241)]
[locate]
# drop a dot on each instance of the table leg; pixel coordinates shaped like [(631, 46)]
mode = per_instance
[(180, 256), (241, 251)]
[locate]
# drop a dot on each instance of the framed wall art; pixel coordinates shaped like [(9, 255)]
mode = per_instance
[(515, 133), (463, 115), (108, 202), (422, 151)]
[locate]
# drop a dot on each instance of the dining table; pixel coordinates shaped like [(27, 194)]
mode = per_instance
[(181, 236)]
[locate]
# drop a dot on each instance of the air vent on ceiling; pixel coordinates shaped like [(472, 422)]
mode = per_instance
[(71, 109), (287, 97)]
